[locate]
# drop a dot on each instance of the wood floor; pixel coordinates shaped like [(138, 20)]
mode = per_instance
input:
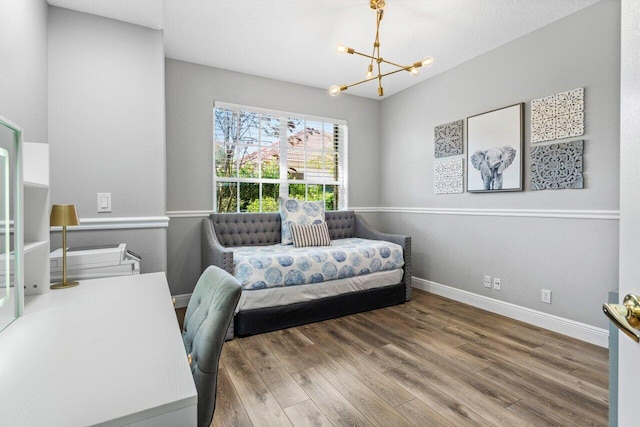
[(430, 362)]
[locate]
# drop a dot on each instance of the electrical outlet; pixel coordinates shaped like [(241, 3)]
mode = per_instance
[(497, 284), (487, 281), (546, 296)]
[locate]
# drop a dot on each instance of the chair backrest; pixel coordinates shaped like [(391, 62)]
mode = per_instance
[(208, 316)]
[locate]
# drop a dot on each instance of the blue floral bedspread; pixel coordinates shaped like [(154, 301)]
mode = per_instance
[(260, 267)]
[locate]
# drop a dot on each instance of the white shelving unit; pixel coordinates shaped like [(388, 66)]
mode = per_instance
[(36, 217)]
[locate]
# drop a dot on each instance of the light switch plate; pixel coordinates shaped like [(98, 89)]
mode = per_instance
[(104, 202)]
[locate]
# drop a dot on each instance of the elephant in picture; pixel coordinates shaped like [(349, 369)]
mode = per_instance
[(492, 163)]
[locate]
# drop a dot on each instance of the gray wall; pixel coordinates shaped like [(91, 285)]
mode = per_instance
[(107, 127), (575, 258), (23, 66), (191, 91)]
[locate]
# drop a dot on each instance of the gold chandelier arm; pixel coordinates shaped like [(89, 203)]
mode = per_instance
[(400, 66), (376, 44), (358, 83), (379, 77), (373, 58), (396, 71), (378, 60)]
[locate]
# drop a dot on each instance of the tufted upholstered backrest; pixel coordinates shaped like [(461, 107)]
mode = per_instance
[(259, 229), (206, 321), (341, 224)]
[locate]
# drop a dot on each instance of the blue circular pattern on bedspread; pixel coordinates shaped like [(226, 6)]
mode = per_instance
[(316, 278), (368, 253), (355, 259), (273, 276), (329, 270), (339, 256), (244, 272), (384, 252), (303, 263), (294, 277), (260, 267), (346, 271), (319, 256), (259, 285), (260, 262), (285, 260)]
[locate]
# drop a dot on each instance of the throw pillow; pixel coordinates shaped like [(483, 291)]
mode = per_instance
[(310, 235), (297, 212)]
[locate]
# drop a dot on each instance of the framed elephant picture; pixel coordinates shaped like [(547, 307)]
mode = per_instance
[(494, 147)]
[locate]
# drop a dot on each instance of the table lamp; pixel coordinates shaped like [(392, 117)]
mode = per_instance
[(64, 215)]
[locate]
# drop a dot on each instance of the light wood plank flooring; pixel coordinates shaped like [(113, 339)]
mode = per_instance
[(430, 362)]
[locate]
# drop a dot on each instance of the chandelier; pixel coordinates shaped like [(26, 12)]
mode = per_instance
[(378, 7)]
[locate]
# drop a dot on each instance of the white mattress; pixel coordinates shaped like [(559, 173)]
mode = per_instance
[(273, 297)]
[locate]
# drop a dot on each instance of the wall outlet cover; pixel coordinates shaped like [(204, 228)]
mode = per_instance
[(487, 281), (497, 284)]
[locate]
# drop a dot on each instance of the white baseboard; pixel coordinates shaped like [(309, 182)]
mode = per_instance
[(581, 331), (182, 300)]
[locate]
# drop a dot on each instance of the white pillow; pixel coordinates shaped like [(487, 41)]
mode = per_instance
[(297, 212)]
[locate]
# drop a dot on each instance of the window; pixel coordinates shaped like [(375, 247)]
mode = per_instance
[(262, 154)]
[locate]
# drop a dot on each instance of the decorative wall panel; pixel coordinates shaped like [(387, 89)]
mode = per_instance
[(448, 139), (447, 176), (558, 116), (557, 166)]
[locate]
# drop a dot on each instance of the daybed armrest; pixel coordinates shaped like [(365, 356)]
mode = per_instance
[(364, 230), (213, 253)]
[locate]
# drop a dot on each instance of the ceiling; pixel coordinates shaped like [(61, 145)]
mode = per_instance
[(295, 40)]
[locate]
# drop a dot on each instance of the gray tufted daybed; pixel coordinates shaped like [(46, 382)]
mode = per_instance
[(221, 233)]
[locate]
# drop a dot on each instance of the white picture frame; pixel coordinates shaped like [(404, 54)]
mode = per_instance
[(494, 150)]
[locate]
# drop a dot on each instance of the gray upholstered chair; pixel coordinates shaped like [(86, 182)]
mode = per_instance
[(208, 315)]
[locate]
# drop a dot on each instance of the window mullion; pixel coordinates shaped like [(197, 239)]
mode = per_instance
[(284, 185)]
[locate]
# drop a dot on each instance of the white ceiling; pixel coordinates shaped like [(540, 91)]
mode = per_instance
[(294, 40), (148, 13)]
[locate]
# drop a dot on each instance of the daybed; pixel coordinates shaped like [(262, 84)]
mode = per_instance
[(264, 308)]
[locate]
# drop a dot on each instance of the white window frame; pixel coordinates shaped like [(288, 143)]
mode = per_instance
[(283, 116)]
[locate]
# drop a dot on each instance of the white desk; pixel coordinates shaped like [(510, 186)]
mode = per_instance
[(108, 352)]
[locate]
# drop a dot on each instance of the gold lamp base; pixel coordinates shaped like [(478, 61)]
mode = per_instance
[(64, 285)]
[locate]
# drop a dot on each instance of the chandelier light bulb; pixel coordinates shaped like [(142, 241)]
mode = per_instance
[(427, 61), (414, 71), (370, 71), (334, 90), (344, 49)]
